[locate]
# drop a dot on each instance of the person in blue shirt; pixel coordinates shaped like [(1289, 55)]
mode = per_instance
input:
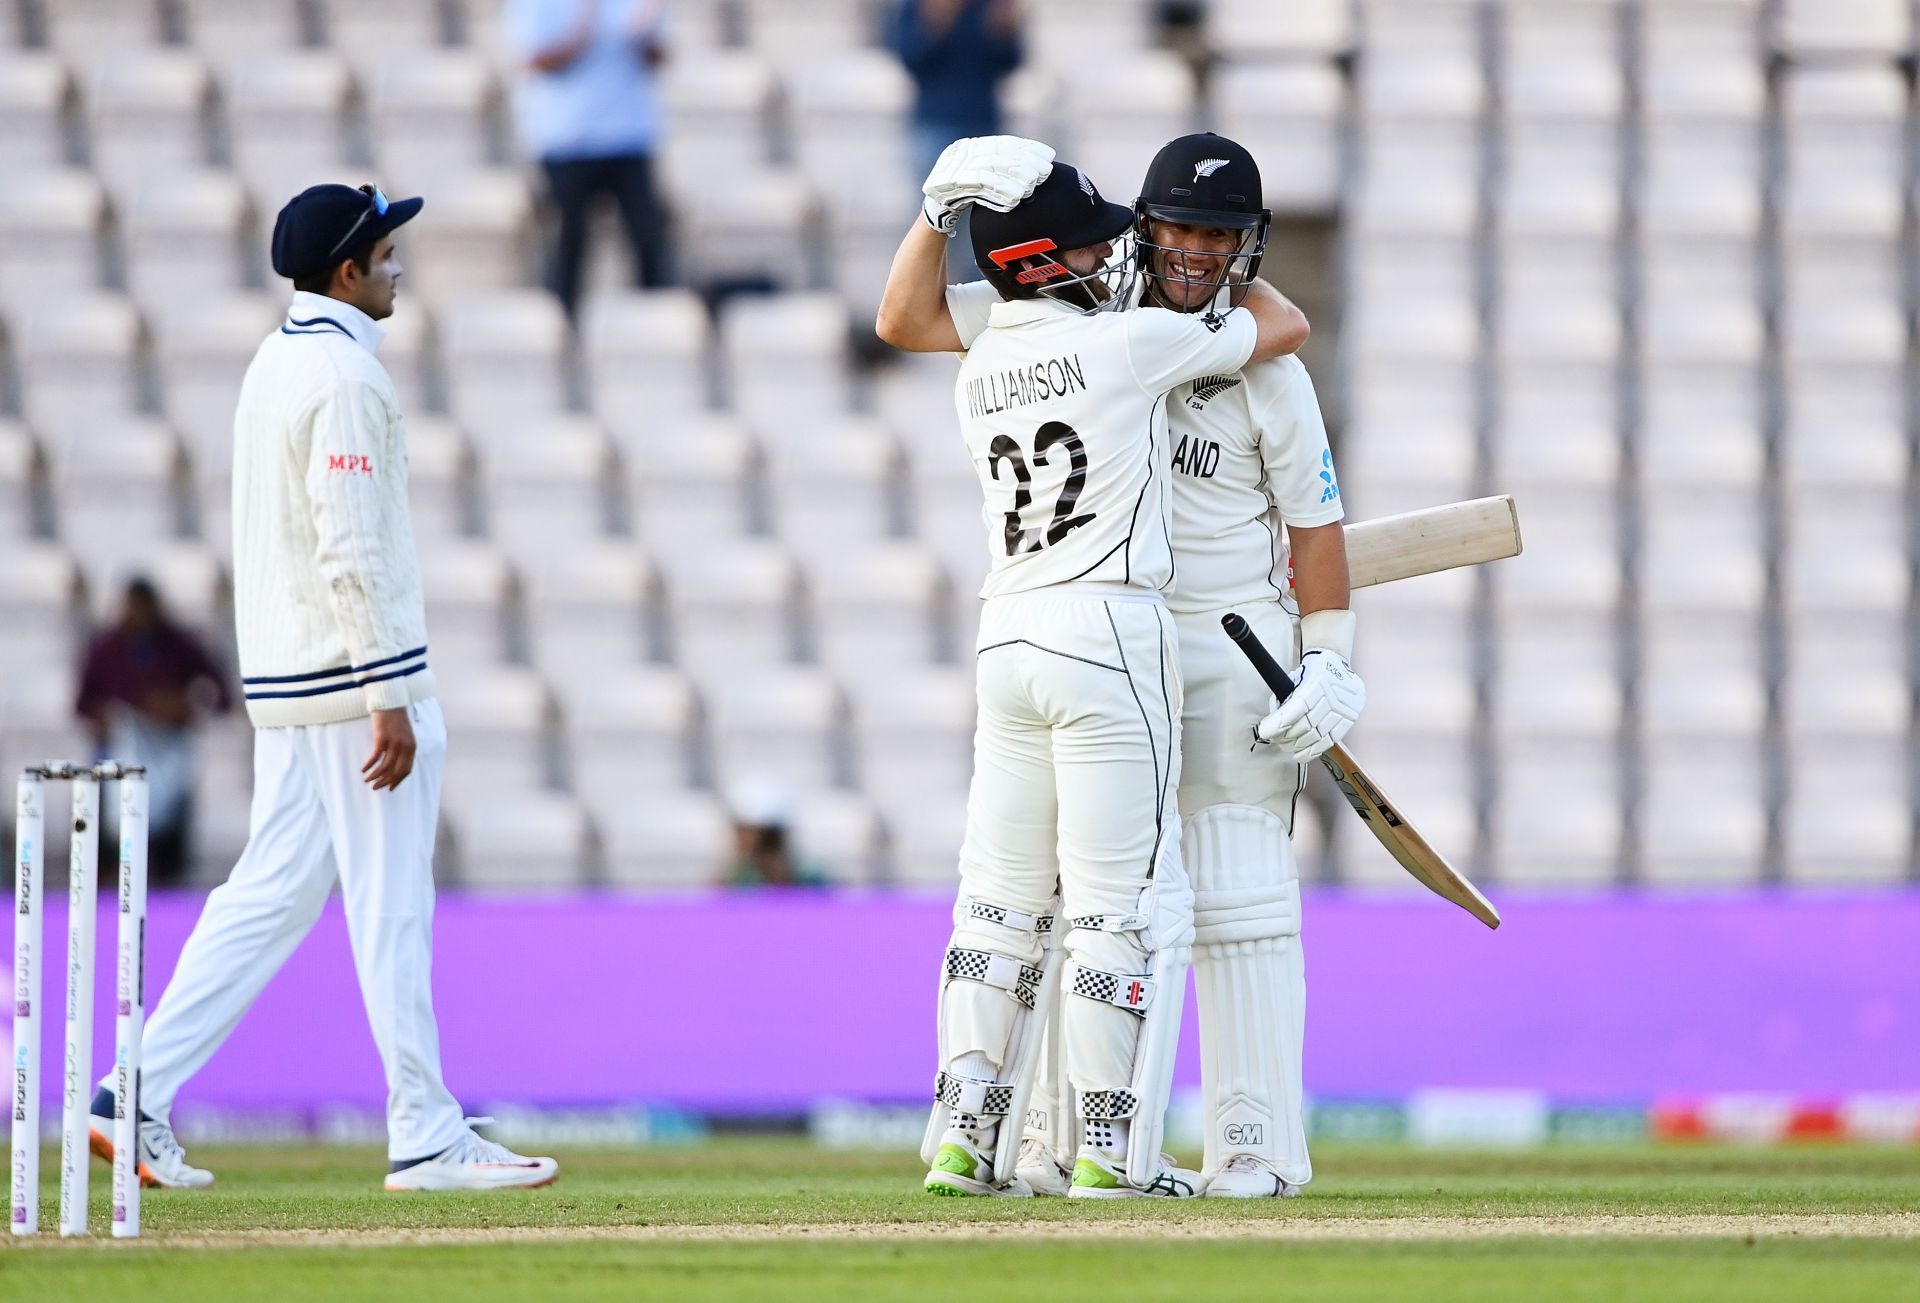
[(957, 51), (589, 112)]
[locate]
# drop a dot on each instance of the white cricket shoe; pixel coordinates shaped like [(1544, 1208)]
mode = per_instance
[(1095, 1177), (163, 1163), (1245, 1177), (1038, 1169), (475, 1163)]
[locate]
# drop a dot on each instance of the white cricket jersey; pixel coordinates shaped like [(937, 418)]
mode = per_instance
[(1064, 416), (1249, 451)]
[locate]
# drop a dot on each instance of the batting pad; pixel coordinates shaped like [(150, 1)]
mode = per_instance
[(1000, 976), (1250, 977), (1121, 1071)]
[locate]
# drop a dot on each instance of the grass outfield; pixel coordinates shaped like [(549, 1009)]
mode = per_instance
[(777, 1219)]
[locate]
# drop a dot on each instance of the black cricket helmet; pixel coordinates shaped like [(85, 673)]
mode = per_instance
[(1018, 251), (1209, 181)]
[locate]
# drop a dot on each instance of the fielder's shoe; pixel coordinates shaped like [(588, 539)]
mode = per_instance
[(1245, 1177), (961, 1171), (474, 1163), (1095, 1177), (163, 1162), (1039, 1170)]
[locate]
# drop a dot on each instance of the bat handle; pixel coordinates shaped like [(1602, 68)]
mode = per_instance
[(1277, 679)]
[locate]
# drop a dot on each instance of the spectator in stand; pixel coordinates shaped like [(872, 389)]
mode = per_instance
[(763, 854), (143, 688), (590, 114), (958, 51)]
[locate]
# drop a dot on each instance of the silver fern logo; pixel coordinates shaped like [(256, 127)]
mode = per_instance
[(1207, 167), (1086, 182), (1208, 388)]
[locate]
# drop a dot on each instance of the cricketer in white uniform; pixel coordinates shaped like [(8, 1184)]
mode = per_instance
[(349, 741), (1250, 453), (1077, 748)]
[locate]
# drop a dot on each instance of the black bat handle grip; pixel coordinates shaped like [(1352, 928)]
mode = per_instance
[(1263, 663)]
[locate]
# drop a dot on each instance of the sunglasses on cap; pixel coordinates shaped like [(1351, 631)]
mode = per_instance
[(377, 207)]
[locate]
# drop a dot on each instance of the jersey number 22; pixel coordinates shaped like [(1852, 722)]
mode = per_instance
[(1004, 448)]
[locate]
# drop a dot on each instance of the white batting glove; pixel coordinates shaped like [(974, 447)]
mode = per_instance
[(998, 171), (1322, 708)]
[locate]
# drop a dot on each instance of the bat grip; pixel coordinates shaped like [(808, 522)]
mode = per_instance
[(1277, 679)]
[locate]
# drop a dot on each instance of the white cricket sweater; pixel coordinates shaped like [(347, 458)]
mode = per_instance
[(327, 599)]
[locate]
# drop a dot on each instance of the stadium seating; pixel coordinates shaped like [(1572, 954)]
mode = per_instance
[(1649, 266)]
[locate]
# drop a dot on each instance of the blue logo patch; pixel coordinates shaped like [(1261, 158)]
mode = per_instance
[(1332, 490)]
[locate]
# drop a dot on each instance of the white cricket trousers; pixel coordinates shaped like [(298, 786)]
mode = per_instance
[(315, 820), (1237, 806), (1076, 765)]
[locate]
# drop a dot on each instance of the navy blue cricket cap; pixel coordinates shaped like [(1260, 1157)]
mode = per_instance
[(324, 223)]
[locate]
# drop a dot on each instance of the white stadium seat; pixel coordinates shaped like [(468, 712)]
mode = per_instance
[(288, 117), (877, 608), (536, 841), (120, 488), (203, 345), (787, 362), (35, 92), (731, 606), (472, 596), (628, 729), (648, 354), (835, 491), (504, 355), (51, 228), (659, 838), (781, 722), (693, 484), (41, 607), (185, 226), (147, 114), (913, 732), (501, 725), (440, 475), (590, 608), (549, 483)]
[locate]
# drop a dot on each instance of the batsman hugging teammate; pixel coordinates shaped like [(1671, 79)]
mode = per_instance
[(1076, 755), (1249, 454)]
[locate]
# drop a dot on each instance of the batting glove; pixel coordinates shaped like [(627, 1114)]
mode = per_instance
[(1321, 709), (998, 171)]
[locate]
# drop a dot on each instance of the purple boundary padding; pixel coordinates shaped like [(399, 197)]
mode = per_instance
[(763, 1003)]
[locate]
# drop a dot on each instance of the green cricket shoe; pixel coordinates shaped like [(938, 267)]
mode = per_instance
[(961, 1172), (1096, 1178)]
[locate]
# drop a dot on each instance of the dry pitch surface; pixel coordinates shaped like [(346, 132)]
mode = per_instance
[(778, 1219)]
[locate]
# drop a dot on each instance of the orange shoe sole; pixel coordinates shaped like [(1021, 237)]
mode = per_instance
[(103, 1148)]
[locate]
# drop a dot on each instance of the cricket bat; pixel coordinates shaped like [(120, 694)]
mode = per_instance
[(1401, 839), (1434, 538)]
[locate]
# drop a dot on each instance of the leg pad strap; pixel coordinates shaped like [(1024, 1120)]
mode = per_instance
[(1108, 1105), (980, 1098), (1021, 981), (1132, 992)]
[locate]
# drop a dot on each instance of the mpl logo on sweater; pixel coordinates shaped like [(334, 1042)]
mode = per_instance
[(350, 462)]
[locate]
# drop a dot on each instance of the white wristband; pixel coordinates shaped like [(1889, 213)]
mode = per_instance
[(1330, 630)]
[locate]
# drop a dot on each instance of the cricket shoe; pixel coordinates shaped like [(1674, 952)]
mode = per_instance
[(474, 1163), (1039, 1170), (163, 1163), (1245, 1177), (1095, 1177), (960, 1171)]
